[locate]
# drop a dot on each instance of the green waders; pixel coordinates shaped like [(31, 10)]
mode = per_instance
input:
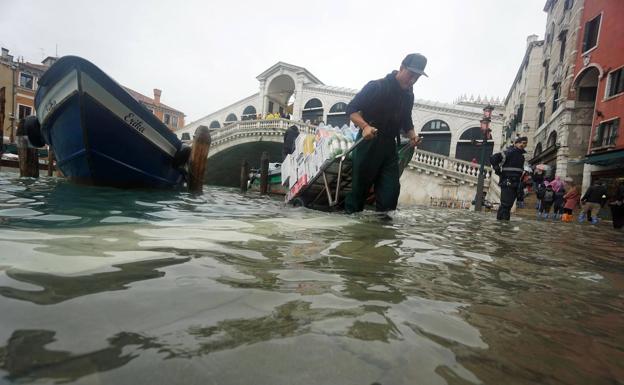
[(375, 163)]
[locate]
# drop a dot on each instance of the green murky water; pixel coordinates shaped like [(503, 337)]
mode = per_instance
[(104, 286)]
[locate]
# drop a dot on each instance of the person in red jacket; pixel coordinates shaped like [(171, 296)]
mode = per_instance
[(571, 199)]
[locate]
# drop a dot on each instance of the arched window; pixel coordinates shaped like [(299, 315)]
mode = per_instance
[(552, 139), (435, 126), (337, 115), (214, 124), (231, 118), (436, 137), (249, 113), (538, 149), (313, 103), (469, 146), (313, 111)]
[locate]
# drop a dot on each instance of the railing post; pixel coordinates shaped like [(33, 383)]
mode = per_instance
[(264, 172)]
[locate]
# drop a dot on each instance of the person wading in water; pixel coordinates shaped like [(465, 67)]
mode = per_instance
[(383, 111)]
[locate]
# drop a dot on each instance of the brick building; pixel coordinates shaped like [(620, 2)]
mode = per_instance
[(599, 80), (172, 118)]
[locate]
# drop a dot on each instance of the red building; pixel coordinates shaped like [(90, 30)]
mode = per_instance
[(172, 118), (599, 78)]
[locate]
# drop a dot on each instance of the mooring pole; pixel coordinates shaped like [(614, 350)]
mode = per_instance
[(199, 159), (264, 173), (244, 176), (50, 161), (28, 160)]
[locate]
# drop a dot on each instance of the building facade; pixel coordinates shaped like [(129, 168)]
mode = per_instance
[(7, 85), (448, 129), (172, 118), (522, 112), (599, 81), (561, 139)]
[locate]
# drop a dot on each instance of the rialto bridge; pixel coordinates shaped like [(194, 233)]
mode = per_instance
[(442, 167)]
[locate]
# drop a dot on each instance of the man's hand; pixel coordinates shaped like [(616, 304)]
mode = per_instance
[(369, 132), (415, 141)]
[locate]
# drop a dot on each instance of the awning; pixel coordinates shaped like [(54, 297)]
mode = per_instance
[(606, 158)]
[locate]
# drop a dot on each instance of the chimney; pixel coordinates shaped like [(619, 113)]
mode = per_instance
[(531, 39), (5, 52), (157, 94)]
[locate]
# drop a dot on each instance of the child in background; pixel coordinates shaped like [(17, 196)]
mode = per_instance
[(548, 197), (557, 186)]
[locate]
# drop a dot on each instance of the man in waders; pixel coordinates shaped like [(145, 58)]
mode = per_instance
[(509, 166), (383, 111)]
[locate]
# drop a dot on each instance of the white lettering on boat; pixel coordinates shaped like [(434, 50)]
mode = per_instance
[(134, 122)]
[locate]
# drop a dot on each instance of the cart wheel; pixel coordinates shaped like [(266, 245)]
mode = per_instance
[(298, 202)]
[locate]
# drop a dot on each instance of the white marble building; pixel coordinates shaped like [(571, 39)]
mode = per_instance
[(523, 114)]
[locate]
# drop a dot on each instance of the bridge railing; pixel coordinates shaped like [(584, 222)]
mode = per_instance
[(453, 167), (259, 125)]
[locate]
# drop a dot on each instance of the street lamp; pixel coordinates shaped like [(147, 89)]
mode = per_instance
[(485, 133)]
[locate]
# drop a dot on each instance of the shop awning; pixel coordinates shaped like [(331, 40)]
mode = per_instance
[(606, 158)]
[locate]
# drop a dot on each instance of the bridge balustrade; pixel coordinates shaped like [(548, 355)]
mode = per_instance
[(260, 125), (454, 168)]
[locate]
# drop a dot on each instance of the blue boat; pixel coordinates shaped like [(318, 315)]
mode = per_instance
[(99, 133)]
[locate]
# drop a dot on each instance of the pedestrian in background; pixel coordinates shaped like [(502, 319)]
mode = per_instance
[(571, 199), (510, 172), (617, 206), (558, 202), (593, 200)]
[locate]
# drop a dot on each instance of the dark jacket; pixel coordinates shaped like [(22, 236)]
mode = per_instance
[(514, 163), (595, 194), (384, 105), (290, 136)]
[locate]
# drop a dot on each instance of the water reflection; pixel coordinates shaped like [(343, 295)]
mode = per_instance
[(26, 358), (54, 289)]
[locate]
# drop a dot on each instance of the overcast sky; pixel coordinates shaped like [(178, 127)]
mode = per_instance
[(205, 55)]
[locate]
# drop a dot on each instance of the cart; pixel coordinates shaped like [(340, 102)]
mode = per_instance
[(327, 190)]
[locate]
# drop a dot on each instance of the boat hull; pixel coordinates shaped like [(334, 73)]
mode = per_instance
[(100, 134)]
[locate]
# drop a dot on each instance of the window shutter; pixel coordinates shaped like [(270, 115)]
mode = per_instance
[(597, 135), (586, 36), (615, 129)]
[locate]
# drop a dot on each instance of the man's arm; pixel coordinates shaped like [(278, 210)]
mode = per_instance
[(363, 101)]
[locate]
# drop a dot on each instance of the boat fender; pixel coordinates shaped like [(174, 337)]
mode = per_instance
[(182, 156), (33, 131)]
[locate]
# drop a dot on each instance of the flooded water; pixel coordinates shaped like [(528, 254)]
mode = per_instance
[(104, 286)]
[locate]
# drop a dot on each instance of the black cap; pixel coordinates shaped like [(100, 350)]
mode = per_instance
[(416, 63), (521, 139)]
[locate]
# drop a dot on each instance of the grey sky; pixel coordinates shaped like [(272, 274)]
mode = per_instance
[(206, 54)]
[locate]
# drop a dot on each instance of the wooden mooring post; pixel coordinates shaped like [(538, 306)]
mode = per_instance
[(264, 173), (244, 176), (50, 161), (199, 159), (28, 159)]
